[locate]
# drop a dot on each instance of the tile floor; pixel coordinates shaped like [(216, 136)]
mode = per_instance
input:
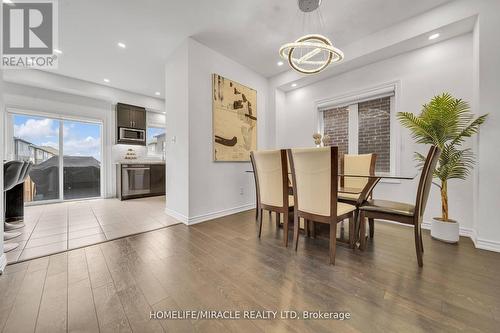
[(58, 227)]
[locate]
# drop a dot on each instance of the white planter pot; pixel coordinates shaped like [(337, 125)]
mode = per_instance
[(445, 231)]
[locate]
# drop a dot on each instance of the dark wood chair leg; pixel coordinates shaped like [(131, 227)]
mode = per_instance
[(296, 222), (418, 248), (352, 233), (356, 225), (307, 228), (259, 218), (257, 212), (362, 231), (421, 241), (371, 222), (333, 241), (278, 220), (285, 228), (313, 229)]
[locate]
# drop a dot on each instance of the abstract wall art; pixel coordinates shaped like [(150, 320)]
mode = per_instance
[(234, 108)]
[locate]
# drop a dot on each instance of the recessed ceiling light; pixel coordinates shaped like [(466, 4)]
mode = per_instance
[(9, 2), (106, 80), (122, 45), (164, 112), (280, 63), (433, 36), (58, 51), (294, 85), (157, 93)]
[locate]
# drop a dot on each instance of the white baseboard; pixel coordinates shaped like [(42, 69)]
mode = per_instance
[(209, 216), (3, 262), (479, 243), (178, 216), (221, 213), (485, 244)]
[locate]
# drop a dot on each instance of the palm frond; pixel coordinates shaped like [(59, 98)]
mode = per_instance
[(469, 130), (445, 122)]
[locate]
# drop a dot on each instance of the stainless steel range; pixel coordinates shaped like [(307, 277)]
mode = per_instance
[(137, 180)]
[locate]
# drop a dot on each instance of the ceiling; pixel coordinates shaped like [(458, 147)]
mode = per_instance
[(249, 32)]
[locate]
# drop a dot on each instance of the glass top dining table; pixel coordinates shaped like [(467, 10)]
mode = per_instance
[(376, 176)]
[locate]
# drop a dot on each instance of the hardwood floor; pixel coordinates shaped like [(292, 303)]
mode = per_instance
[(222, 265)]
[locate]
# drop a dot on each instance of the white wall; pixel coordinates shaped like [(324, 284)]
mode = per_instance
[(487, 88), (422, 73), (214, 187), (177, 133)]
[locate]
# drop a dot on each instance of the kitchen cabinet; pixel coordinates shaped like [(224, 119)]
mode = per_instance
[(130, 116), (157, 178)]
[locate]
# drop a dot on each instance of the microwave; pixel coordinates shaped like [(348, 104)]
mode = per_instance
[(131, 135)]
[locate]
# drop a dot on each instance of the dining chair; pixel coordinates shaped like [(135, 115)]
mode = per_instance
[(362, 164), (403, 212), (12, 171), (315, 190), (271, 181)]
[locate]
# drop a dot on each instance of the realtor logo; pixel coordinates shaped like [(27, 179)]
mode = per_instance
[(29, 33)]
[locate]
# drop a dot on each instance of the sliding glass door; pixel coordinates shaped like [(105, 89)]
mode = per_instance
[(43, 140), (82, 160), (36, 140)]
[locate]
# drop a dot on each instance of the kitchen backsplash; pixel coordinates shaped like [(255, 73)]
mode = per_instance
[(119, 151)]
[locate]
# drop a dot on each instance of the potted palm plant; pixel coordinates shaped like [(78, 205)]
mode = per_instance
[(445, 122)]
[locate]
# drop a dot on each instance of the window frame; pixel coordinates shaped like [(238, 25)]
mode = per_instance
[(351, 100), (11, 111), (155, 124), (148, 153)]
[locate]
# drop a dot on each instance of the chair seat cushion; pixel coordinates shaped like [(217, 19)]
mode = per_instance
[(343, 208), (348, 196), (391, 207)]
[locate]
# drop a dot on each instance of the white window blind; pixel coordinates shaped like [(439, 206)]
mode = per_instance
[(345, 100), (155, 119)]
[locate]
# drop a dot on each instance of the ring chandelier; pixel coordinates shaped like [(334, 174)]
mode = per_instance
[(312, 53)]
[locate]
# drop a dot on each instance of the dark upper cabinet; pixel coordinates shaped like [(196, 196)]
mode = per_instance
[(130, 116), (138, 116), (123, 115), (157, 178)]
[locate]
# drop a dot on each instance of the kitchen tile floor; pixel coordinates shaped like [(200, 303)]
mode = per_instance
[(63, 226)]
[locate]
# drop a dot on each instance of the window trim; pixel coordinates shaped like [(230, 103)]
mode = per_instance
[(154, 124), (148, 153), (351, 99), (12, 110)]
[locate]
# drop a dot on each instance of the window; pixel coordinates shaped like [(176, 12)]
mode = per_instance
[(361, 125), (336, 126), (156, 140), (41, 140)]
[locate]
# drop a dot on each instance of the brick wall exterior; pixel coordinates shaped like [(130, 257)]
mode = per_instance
[(336, 125), (375, 131)]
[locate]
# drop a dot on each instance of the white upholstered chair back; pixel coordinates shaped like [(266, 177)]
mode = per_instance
[(269, 173), (357, 165), (312, 167)]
